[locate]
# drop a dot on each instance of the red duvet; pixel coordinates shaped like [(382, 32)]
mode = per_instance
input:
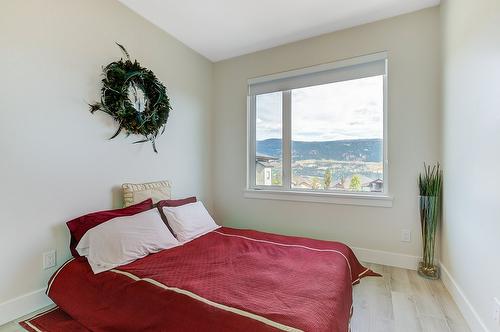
[(226, 280)]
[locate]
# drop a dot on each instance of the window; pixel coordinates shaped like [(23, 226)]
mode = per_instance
[(320, 129), (268, 129)]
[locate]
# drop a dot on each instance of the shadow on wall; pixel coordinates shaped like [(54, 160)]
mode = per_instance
[(61, 233), (117, 197)]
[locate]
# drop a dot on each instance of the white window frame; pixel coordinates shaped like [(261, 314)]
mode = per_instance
[(286, 192)]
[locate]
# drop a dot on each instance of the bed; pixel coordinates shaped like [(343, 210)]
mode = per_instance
[(226, 280)]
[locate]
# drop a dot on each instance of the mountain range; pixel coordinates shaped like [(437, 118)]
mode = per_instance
[(369, 150)]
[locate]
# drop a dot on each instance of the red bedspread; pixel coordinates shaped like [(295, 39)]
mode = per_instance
[(226, 280)]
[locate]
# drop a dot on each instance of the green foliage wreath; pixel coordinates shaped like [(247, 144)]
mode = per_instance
[(135, 98)]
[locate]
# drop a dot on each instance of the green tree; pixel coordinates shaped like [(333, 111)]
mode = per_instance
[(315, 183), (355, 183), (276, 178), (327, 180)]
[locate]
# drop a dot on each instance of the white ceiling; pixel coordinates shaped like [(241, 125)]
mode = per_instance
[(221, 29)]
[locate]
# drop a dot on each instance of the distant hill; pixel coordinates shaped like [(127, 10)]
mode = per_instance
[(346, 150)]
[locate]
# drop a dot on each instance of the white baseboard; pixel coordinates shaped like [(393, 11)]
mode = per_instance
[(387, 258), (23, 305), (470, 314)]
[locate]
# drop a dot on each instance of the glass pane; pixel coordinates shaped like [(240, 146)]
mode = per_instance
[(268, 132), (337, 136)]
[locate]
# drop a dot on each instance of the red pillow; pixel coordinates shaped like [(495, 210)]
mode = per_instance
[(173, 203), (79, 226)]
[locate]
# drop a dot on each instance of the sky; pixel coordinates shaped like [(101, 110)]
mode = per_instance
[(336, 111)]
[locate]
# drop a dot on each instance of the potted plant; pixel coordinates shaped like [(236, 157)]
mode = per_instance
[(430, 185)]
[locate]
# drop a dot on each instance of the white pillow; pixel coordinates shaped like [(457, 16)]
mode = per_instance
[(123, 240), (189, 221)]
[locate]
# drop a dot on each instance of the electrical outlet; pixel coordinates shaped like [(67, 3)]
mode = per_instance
[(496, 310), (49, 259), (405, 235)]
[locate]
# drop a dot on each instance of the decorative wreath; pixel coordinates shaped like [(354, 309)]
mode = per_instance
[(135, 98)]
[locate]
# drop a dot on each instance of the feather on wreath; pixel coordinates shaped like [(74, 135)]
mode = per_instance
[(135, 98)]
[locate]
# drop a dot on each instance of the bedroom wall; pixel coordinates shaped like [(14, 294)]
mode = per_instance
[(413, 43), (471, 136), (56, 160)]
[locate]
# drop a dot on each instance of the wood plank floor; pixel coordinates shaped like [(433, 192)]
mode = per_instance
[(400, 301), (15, 327)]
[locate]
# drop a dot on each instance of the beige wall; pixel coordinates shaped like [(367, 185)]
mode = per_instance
[(413, 43), (471, 141), (56, 162)]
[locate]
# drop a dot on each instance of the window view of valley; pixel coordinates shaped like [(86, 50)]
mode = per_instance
[(336, 136), (352, 165)]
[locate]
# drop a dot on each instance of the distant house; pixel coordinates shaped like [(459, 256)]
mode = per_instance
[(339, 185), (367, 184), (263, 169), (376, 185), (300, 182)]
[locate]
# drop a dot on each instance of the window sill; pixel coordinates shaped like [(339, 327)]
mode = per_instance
[(318, 197)]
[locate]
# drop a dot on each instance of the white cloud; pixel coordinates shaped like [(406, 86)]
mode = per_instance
[(343, 110), (268, 116)]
